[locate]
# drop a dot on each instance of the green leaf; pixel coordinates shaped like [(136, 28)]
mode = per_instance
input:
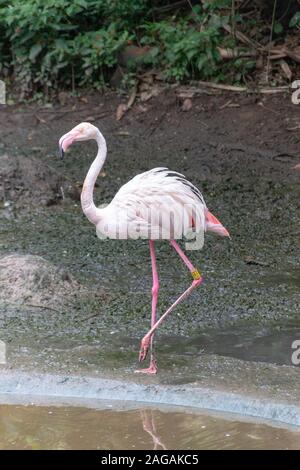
[(34, 52), (295, 21), (278, 28)]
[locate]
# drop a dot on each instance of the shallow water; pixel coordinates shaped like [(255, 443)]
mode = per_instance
[(272, 345), (43, 427), (109, 350)]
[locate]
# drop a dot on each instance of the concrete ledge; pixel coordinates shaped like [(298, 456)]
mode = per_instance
[(18, 386)]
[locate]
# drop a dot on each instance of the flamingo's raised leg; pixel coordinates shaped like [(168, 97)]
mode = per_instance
[(152, 369), (146, 341)]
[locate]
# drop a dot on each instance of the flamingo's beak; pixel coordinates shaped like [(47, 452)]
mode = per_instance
[(66, 141), (61, 151), (226, 233)]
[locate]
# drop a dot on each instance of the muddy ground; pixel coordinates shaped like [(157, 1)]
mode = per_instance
[(238, 149)]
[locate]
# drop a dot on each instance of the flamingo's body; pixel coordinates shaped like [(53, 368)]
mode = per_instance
[(157, 204), (143, 207)]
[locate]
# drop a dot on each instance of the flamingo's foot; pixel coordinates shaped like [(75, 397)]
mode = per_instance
[(145, 344), (151, 370)]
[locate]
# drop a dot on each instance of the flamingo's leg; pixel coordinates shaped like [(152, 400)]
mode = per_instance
[(152, 369), (146, 341)]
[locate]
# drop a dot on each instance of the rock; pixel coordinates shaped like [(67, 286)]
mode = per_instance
[(187, 104), (63, 98), (29, 279), (22, 177)]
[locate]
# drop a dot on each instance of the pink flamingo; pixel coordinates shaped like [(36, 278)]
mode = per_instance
[(157, 204)]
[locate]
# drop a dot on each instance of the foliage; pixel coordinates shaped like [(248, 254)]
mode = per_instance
[(68, 43), (60, 41), (295, 20), (187, 47)]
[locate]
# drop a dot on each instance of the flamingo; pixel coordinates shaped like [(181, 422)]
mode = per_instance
[(157, 204)]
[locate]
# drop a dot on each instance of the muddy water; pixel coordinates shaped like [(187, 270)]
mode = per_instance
[(32, 427)]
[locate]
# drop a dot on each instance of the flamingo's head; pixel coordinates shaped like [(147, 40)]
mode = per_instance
[(297, 167), (83, 131)]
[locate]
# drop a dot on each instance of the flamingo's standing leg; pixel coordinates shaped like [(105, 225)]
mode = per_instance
[(147, 340), (152, 369)]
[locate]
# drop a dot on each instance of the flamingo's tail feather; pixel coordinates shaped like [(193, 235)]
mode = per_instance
[(214, 225)]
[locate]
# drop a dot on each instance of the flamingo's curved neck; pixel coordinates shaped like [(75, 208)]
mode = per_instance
[(87, 202)]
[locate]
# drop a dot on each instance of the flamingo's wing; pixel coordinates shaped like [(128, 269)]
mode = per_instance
[(161, 181), (161, 201)]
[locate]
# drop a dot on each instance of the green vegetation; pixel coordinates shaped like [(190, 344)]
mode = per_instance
[(69, 43), (295, 20)]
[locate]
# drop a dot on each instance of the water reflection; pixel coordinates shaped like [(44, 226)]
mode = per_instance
[(41, 427), (148, 421)]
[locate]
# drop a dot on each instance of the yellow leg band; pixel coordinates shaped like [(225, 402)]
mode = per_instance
[(196, 274)]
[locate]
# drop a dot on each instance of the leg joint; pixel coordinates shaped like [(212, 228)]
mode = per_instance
[(196, 275)]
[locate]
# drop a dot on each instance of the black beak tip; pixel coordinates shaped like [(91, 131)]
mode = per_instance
[(61, 152)]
